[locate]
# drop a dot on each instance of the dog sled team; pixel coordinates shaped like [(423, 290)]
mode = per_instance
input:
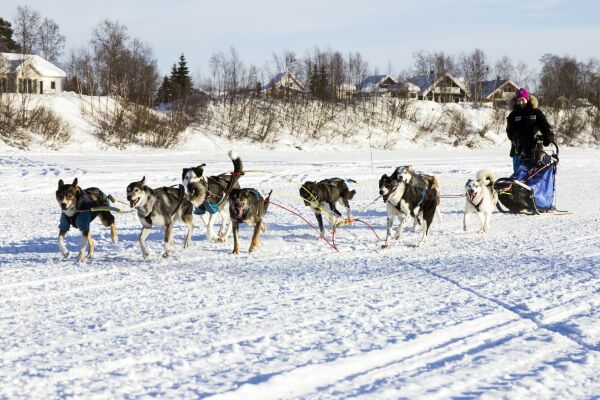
[(405, 192)]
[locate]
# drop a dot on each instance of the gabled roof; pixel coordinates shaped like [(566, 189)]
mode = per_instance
[(278, 78), (371, 83), (427, 82), (489, 87), (15, 63)]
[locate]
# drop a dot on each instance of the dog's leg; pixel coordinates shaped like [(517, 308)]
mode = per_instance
[(225, 222), (189, 221), (424, 235), (465, 220), (481, 216), (61, 244), (109, 220), (488, 217), (255, 243), (168, 240), (236, 232), (390, 223), (142, 239), (84, 242), (92, 245), (320, 221), (402, 218)]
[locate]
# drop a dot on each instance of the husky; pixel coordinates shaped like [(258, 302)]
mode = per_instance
[(481, 198), (247, 206), (76, 205), (324, 195), (210, 195), (403, 200), (420, 181), (162, 207)]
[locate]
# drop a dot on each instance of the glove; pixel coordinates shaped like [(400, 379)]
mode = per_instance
[(546, 143)]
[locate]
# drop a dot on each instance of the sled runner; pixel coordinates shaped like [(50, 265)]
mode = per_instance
[(530, 189)]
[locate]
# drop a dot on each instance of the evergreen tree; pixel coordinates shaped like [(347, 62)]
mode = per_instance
[(312, 80), (321, 84), (174, 84), (183, 78), (7, 44), (164, 94)]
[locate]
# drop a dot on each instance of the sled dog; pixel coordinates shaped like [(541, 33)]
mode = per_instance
[(324, 195), (162, 206), (420, 181), (481, 199), (247, 206), (405, 199), (76, 204), (210, 195)]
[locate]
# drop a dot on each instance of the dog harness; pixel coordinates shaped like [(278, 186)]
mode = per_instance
[(84, 216), (208, 206)]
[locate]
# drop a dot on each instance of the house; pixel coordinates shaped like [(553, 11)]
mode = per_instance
[(442, 89), (345, 91), (498, 89), (405, 89), (29, 73), (375, 84), (284, 83)]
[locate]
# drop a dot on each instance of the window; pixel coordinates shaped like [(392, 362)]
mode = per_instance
[(52, 85)]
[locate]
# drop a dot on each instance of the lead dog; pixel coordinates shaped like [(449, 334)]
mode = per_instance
[(247, 206), (76, 205), (481, 199), (324, 195), (210, 195), (403, 200), (162, 207), (420, 181)]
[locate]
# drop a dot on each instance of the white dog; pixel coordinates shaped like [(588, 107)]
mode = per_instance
[(481, 198)]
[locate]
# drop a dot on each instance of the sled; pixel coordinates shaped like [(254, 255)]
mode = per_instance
[(531, 188)]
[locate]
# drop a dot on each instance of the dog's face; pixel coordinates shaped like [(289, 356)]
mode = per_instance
[(192, 175), (308, 192), (404, 173), (387, 186), (239, 201), (473, 189), (136, 193), (67, 195)]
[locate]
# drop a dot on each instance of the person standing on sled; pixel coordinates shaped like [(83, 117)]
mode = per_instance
[(524, 125)]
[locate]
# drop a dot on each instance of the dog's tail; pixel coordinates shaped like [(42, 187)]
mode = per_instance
[(238, 168), (267, 200), (486, 177), (351, 194)]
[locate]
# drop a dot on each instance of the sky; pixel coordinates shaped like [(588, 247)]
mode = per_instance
[(385, 32)]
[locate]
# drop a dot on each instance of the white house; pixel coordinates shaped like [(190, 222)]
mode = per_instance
[(29, 73), (283, 83)]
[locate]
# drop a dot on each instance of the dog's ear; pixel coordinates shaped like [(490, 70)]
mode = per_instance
[(60, 183), (74, 182), (184, 173), (143, 181)]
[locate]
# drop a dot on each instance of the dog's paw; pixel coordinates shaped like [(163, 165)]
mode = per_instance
[(252, 248), (115, 239), (82, 257), (166, 254), (145, 255), (65, 253), (235, 252), (220, 239), (385, 246)]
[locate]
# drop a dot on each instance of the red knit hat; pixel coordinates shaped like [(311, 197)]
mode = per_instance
[(522, 93)]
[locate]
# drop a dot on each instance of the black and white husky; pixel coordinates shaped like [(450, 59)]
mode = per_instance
[(324, 195), (481, 199), (162, 207), (210, 195), (404, 200)]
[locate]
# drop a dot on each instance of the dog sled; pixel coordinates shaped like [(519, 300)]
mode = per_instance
[(531, 188)]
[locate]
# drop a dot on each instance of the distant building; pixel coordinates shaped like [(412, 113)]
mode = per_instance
[(29, 73), (498, 89), (283, 84), (442, 89), (375, 84)]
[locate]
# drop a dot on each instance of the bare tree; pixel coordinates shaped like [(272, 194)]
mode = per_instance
[(475, 70), (26, 28), (50, 41), (108, 44), (504, 68), (437, 63)]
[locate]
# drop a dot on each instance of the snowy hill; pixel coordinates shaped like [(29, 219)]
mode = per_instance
[(510, 314)]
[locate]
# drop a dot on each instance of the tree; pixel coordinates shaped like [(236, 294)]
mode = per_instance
[(475, 70), (7, 43), (504, 68), (26, 27), (164, 93), (559, 78), (183, 79), (50, 41), (108, 42)]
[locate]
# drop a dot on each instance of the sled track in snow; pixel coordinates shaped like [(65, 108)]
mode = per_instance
[(511, 309)]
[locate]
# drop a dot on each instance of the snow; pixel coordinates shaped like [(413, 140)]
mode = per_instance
[(43, 67), (509, 314)]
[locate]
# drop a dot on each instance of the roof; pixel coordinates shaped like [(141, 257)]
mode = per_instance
[(371, 83), (428, 82), (277, 78), (489, 87), (15, 62)]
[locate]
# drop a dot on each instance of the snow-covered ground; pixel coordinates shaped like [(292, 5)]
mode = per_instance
[(510, 314)]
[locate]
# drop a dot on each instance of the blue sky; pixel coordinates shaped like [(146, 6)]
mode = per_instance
[(384, 31)]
